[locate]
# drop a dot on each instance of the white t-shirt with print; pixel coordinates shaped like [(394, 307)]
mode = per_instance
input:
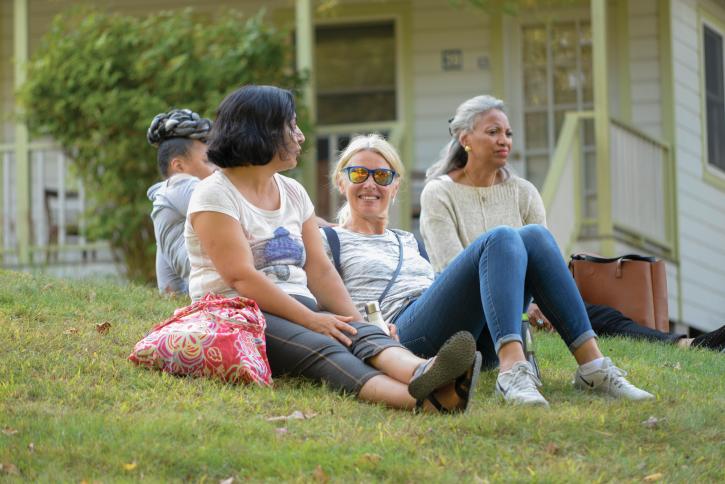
[(275, 236)]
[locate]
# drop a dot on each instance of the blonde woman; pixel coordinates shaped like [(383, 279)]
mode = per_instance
[(482, 291)]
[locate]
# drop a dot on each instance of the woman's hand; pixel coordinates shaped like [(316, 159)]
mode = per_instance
[(537, 318), (393, 332), (333, 325)]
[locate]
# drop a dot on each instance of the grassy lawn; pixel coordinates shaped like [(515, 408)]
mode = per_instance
[(72, 408)]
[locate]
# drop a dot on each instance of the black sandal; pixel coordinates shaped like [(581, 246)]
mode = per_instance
[(455, 358), (465, 385)]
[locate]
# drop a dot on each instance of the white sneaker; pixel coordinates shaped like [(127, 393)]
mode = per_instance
[(518, 385), (609, 380)]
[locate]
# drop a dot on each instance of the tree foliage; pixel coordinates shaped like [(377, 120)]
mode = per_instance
[(98, 79)]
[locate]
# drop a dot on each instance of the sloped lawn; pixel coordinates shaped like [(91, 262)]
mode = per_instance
[(72, 408)]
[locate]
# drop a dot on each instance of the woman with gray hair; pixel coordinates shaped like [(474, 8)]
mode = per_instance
[(483, 290), (470, 190)]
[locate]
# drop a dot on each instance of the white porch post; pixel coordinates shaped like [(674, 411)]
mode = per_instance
[(22, 155), (601, 126), (305, 36)]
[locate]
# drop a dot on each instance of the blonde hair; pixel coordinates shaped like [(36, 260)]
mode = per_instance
[(371, 142), (453, 155)]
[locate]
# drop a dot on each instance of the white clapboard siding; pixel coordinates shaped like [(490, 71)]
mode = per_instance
[(644, 66), (436, 26), (701, 206)]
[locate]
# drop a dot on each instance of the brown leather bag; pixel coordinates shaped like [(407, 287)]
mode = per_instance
[(633, 284)]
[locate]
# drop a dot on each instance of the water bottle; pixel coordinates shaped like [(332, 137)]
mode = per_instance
[(372, 308), (529, 350)]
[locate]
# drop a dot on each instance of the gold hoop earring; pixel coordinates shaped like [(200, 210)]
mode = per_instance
[(467, 148)]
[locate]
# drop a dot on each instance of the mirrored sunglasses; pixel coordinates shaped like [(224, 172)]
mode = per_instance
[(381, 176)]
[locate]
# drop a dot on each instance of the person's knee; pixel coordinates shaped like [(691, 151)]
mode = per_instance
[(504, 240), (535, 232), (538, 236), (503, 232)]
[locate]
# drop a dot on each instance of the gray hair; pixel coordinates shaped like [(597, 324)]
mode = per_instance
[(453, 156)]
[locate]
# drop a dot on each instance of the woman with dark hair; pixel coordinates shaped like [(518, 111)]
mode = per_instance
[(180, 137), (252, 232)]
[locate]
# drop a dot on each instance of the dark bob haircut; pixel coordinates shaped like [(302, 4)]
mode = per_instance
[(252, 125)]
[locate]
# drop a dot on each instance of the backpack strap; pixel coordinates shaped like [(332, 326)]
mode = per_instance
[(397, 269), (334, 242), (421, 249)]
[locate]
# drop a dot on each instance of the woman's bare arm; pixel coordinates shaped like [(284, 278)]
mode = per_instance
[(322, 278), (223, 240)]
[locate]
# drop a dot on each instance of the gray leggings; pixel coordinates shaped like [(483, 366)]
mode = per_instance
[(297, 351)]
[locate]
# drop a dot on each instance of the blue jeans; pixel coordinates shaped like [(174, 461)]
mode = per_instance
[(485, 289)]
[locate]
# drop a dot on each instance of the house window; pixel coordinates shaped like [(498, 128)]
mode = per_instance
[(714, 97), (355, 73), (557, 78)]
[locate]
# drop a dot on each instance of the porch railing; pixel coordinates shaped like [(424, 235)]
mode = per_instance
[(641, 189), (563, 191), (57, 206)]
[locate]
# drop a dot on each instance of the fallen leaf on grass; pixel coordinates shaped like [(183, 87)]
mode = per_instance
[(371, 458), (9, 469), (31, 447), (130, 466), (296, 415), (653, 477), (71, 331), (552, 448), (103, 327), (652, 422), (228, 480), (9, 431), (674, 366), (47, 286), (320, 475)]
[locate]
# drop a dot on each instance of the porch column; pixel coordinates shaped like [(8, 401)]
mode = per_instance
[(305, 37), (601, 126), (22, 155)]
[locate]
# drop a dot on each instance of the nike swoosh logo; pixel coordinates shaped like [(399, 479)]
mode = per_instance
[(500, 388), (590, 383)]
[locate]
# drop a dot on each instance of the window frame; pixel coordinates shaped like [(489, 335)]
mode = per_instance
[(712, 174), (342, 23)]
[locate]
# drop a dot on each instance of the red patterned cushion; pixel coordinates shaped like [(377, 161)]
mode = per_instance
[(215, 337)]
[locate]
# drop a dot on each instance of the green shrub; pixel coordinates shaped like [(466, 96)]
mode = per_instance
[(98, 79)]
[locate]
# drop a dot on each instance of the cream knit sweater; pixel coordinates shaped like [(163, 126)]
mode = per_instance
[(453, 215)]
